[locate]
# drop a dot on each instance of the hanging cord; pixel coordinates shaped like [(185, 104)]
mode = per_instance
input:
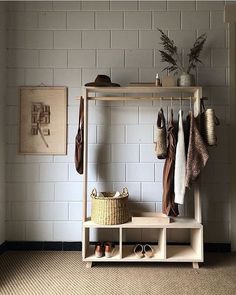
[(161, 102), (181, 102), (191, 105), (203, 109), (171, 104), (167, 113)]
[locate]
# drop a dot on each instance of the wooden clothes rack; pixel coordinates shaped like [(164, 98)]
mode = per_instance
[(163, 252)]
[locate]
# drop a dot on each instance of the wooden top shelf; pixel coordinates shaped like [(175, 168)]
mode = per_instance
[(138, 93), (177, 223), (145, 89)]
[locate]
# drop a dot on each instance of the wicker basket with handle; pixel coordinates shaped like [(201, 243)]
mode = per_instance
[(109, 210)]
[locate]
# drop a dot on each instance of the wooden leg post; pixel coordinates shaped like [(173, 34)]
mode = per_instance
[(195, 265), (89, 264)]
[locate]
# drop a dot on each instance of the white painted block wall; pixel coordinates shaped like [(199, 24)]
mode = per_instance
[(69, 43)]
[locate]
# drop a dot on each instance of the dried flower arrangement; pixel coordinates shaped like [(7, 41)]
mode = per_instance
[(171, 55)]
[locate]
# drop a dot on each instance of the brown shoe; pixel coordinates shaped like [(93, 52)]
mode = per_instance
[(99, 250), (108, 249)]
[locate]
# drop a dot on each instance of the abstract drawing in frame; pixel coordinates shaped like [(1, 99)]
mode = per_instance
[(43, 120)]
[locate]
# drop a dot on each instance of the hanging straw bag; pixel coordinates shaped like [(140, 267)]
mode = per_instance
[(109, 210), (208, 123), (161, 140)]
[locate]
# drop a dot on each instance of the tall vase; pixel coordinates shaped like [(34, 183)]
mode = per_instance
[(186, 80)]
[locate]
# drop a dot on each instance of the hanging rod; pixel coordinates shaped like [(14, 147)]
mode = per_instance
[(117, 98), (136, 98)]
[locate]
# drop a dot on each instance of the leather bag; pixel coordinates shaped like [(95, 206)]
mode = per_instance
[(79, 140)]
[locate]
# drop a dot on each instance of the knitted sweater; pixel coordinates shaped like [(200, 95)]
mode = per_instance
[(197, 156)]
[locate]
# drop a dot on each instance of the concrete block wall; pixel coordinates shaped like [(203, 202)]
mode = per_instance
[(69, 43), (2, 119)]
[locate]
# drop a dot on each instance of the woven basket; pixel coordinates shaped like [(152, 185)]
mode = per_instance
[(161, 144), (108, 210), (210, 121)]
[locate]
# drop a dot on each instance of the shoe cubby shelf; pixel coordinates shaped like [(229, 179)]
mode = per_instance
[(176, 253), (191, 252), (163, 251)]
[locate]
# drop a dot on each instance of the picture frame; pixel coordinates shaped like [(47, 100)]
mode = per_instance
[(43, 120)]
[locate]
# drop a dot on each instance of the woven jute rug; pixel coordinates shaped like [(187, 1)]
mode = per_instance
[(64, 273)]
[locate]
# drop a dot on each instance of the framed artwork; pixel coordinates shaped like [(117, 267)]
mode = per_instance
[(43, 120)]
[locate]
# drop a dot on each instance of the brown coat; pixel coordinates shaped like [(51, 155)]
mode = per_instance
[(168, 199)]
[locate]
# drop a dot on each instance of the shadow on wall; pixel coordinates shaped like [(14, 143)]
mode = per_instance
[(103, 152), (215, 185)]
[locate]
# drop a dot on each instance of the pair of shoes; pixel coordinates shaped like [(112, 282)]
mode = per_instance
[(143, 250), (102, 249)]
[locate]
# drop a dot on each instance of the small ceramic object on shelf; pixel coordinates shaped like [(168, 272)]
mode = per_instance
[(158, 81), (186, 80)]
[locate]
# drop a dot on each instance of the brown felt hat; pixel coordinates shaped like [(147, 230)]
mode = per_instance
[(102, 81)]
